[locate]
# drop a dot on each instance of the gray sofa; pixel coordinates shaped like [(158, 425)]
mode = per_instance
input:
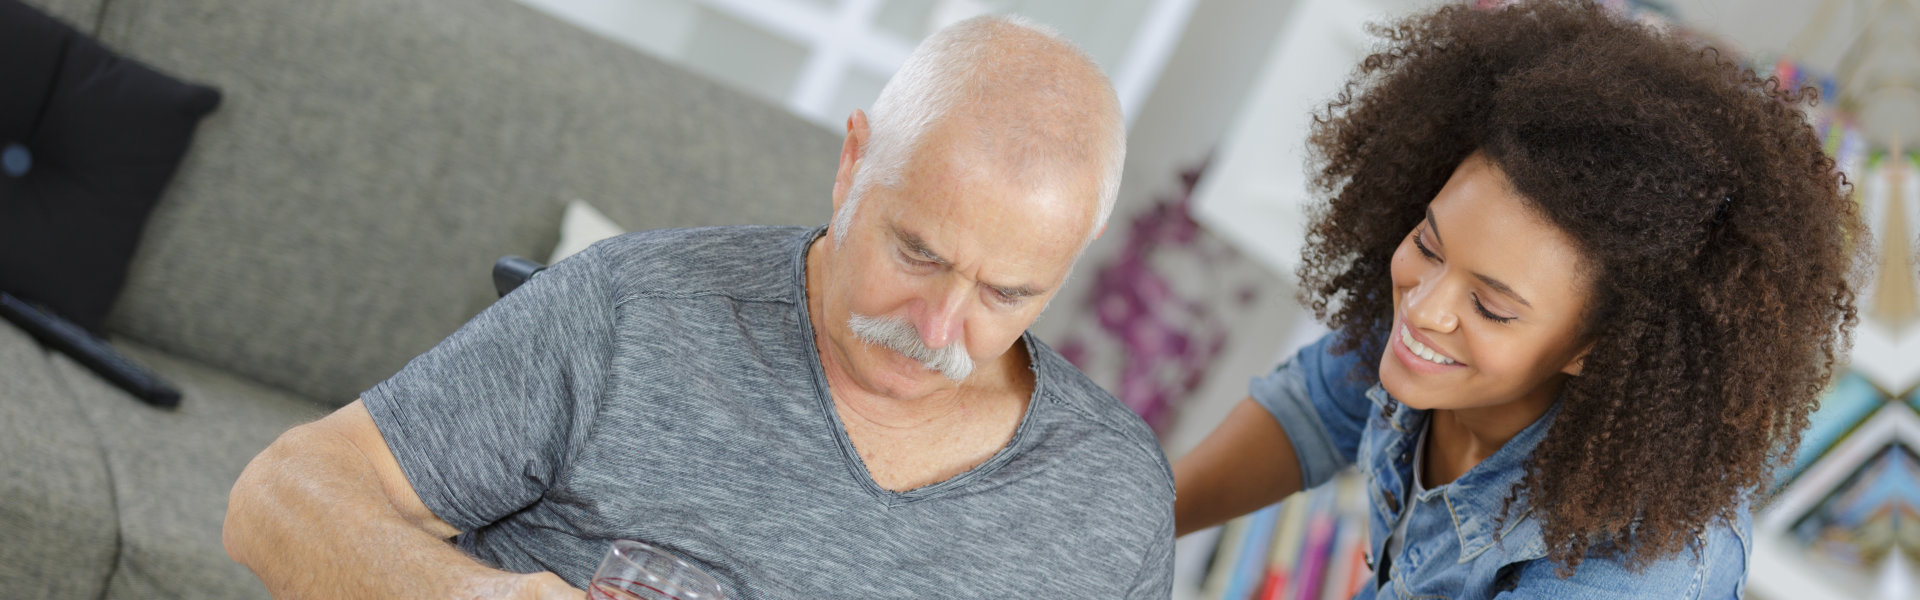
[(336, 216)]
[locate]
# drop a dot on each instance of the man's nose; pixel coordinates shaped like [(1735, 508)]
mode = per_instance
[(1425, 306), (943, 319)]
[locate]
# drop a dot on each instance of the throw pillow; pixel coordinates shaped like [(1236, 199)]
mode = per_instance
[(580, 227), (88, 140)]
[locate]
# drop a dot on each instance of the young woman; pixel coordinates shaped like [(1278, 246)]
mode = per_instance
[(1586, 280)]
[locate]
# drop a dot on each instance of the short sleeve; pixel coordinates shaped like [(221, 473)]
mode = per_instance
[(1320, 406), (483, 422), (1155, 580)]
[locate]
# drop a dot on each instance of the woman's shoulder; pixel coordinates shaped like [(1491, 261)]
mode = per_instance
[(1713, 566), (1329, 371)]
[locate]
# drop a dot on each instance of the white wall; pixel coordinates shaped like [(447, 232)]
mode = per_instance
[(1205, 83), (823, 58)]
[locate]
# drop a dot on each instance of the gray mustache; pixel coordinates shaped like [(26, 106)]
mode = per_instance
[(898, 335)]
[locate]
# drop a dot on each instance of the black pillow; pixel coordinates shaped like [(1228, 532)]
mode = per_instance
[(88, 140)]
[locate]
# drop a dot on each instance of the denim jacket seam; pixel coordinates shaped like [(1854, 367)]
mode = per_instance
[(1746, 559), (1294, 375), (1400, 587), (1378, 395), (1700, 573), (1467, 553)]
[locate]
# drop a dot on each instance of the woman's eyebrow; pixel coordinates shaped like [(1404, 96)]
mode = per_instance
[(1500, 286)]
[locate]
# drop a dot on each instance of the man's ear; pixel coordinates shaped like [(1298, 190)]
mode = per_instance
[(852, 151)]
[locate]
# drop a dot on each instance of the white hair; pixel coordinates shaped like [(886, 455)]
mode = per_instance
[(944, 71), (899, 335)]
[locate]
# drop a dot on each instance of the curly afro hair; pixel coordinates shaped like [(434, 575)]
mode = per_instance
[(1720, 241)]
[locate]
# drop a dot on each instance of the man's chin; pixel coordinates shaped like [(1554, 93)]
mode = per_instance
[(879, 368), (922, 378), (901, 387)]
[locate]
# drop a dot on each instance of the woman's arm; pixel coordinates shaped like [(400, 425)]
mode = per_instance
[(1246, 463), (1299, 425)]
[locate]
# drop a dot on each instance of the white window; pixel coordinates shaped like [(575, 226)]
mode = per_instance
[(824, 58)]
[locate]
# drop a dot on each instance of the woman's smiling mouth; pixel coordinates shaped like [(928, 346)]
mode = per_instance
[(1417, 349)]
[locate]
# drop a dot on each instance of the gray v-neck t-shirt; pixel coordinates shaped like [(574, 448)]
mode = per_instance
[(664, 386)]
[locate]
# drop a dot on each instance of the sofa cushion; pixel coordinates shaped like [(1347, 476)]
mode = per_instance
[(172, 471), (87, 142), (580, 227), (57, 522), (340, 213)]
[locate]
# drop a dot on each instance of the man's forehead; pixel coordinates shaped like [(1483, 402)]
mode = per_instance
[(1033, 149), (959, 189)]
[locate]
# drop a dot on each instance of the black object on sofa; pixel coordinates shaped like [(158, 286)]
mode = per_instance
[(323, 230), (88, 350), (511, 271), (88, 140)]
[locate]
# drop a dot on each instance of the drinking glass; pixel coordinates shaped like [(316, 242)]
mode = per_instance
[(639, 571)]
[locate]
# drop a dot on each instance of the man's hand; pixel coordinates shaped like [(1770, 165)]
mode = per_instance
[(544, 586), (516, 586)]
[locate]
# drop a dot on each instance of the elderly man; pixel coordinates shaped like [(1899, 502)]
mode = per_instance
[(852, 411)]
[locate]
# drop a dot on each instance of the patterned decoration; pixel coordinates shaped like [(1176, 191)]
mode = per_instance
[(1851, 498), (1152, 324), (1870, 514)]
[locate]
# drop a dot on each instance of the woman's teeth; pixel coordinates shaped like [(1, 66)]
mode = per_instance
[(1421, 350)]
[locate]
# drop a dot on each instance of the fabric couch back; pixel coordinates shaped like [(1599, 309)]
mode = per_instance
[(83, 15), (341, 210)]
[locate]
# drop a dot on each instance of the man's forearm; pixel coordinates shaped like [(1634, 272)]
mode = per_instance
[(309, 517)]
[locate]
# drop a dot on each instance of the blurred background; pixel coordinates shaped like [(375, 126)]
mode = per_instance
[(319, 196), (1190, 292)]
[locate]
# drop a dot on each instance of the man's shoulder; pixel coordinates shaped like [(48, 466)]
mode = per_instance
[(740, 262), (1132, 440)]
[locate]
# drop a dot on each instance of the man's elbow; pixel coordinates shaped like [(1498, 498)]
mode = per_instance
[(255, 490)]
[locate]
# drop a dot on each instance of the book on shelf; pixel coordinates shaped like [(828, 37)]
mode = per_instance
[(1321, 526), (1225, 554), (1192, 557), (1284, 552), (1347, 567), (1312, 546), (1249, 570)]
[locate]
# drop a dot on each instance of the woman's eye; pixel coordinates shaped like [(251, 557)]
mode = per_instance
[(1487, 313), (1422, 245)]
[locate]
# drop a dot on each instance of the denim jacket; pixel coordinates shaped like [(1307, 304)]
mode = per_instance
[(1452, 548)]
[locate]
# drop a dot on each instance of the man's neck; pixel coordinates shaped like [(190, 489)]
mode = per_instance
[(913, 442)]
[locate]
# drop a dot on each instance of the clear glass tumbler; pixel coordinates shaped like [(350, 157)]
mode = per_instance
[(639, 571)]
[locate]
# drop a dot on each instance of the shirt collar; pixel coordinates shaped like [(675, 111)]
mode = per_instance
[(1477, 498), (801, 243)]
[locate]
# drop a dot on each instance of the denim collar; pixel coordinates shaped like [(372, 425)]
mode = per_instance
[(1476, 499)]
